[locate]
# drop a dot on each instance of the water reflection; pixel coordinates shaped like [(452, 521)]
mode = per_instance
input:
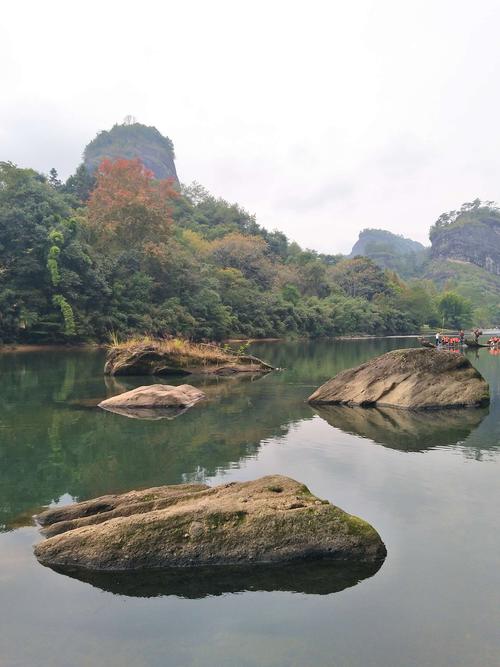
[(55, 441), (313, 577), (214, 387), (437, 513), (149, 414), (405, 430)]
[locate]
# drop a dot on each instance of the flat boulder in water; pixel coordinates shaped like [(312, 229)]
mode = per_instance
[(414, 379), (270, 520), (159, 396)]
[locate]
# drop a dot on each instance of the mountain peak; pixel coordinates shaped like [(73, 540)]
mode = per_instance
[(133, 140)]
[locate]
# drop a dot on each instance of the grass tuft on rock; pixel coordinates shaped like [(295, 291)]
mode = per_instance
[(184, 351)]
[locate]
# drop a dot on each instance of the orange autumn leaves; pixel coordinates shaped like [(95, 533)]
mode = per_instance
[(128, 207)]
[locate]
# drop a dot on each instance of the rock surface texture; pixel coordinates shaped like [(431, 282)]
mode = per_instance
[(473, 237), (269, 520), (150, 359), (414, 379), (155, 396)]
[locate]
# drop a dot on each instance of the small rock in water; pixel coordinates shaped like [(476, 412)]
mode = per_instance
[(155, 396)]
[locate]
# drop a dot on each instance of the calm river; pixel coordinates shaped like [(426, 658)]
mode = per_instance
[(429, 484)]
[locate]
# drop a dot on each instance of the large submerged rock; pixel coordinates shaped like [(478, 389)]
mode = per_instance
[(166, 358), (414, 379), (269, 520)]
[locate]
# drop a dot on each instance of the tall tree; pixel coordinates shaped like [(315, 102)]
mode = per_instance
[(128, 207), (80, 184), (455, 310)]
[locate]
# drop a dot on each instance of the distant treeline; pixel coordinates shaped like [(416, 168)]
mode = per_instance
[(123, 252)]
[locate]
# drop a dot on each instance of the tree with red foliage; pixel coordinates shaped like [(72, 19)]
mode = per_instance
[(129, 208)]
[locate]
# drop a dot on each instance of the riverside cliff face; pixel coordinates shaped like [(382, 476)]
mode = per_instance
[(473, 238)]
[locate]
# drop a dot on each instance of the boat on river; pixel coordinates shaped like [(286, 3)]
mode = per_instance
[(475, 344)]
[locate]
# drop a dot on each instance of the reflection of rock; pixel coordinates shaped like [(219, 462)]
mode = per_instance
[(272, 519), (149, 414), (413, 379), (406, 430), (214, 387), (151, 398), (114, 385), (320, 577)]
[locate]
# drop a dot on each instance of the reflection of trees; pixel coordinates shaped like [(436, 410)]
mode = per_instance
[(49, 447), (314, 362), (53, 440)]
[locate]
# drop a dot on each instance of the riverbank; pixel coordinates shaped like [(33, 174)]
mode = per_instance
[(51, 347)]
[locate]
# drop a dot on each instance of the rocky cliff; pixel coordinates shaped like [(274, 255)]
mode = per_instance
[(471, 235), (133, 141)]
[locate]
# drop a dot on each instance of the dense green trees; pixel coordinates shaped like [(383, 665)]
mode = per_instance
[(122, 251), (455, 310)]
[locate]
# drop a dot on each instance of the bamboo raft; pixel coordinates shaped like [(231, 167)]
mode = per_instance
[(475, 344)]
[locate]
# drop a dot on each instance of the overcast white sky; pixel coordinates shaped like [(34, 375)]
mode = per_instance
[(322, 118)]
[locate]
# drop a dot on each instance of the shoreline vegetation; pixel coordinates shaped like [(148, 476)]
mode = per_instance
[(54, 347), (117, 248)]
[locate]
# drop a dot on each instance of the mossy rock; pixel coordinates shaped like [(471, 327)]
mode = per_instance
[(195, 525)]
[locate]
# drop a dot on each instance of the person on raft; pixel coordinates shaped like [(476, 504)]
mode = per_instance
[(462, 336), (438, 338)]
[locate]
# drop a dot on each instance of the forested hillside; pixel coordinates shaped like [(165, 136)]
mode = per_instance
[(124, 252)]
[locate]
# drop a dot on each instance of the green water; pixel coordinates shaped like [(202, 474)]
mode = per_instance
[(430, 485)]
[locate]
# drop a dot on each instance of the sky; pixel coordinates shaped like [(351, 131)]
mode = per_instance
[(322, 117)]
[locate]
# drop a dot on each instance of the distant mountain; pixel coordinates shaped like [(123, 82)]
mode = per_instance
[(464, 256), (390, 251), (133, 140)]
